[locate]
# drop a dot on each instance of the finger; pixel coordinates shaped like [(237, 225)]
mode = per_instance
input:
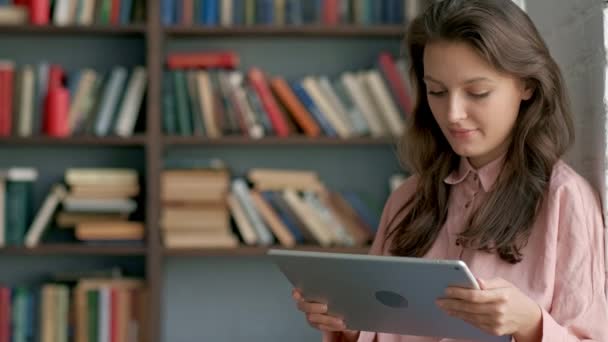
[(328, 328), (296, 294), (475, 296), (311, 308), (329, 321), (495, 283), (466, 307), (479, 321)]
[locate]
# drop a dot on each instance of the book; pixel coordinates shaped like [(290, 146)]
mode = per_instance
[(44, 215)]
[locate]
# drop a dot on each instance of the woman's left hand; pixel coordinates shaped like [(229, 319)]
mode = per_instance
[(499, 308)]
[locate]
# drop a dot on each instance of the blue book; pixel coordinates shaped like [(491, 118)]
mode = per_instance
[(168, 12), (73, 80), (311, 11), (377, 8), (126, 8), (393, 12), (178, 8), (293, 12), (258, 109), (361, 208), (211, 12), (264, 12), (270, 198), (238, 12), (307, 101)]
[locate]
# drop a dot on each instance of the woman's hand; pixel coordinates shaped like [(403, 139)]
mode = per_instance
[(499, 308), (317, 317)]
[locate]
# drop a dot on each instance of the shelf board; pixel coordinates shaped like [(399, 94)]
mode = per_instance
[(355, 31), (256, 251), (74, 141), (293, 140), (73, 249), (74, 30)]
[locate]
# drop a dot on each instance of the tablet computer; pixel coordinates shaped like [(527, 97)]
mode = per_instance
[(383, 293)]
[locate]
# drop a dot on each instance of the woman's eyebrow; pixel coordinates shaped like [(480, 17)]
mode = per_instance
[(470, 80)]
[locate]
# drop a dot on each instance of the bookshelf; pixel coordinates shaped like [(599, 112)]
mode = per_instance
[(298, 31), (73, 249), (255, 251), (326, 50)]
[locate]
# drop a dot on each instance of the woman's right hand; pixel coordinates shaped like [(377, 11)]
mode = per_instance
[(317, 317)]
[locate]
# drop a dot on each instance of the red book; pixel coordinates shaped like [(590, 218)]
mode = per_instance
[(276, 116), (202, 60), (115, 12), (187, 12), (6, 98), (5, 314), (397, 87), (114, 315), (56, 77), (40, 12), (56, 123), (330, 12)]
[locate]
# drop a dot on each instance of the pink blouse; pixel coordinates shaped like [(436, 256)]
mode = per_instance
[(563, 263)]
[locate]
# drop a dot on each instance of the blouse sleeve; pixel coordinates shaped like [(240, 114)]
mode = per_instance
[(578, 311)]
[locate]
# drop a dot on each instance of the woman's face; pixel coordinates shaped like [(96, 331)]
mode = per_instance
[(475, 105)]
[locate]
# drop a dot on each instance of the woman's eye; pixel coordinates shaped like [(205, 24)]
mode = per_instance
[(479, 95), (436, 93)]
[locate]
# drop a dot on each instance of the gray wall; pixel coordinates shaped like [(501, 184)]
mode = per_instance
[(574, 32)]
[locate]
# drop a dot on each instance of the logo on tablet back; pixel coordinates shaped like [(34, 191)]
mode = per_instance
[(391, 299)]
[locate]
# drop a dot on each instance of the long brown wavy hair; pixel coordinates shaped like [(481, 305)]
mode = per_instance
[(507, 39)]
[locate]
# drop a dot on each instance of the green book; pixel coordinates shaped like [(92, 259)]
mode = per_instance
[(19, 314), (249, 12), (93, 315), (169, 115), (184, 116), (104, 13), (18, 211)]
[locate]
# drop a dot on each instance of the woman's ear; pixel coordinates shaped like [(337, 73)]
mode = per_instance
[(527, 90)]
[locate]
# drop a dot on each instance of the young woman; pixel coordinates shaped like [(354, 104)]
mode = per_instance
[(484, 144)]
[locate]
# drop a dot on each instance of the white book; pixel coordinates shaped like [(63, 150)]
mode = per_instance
[(339, 108), (61, 16), (205, 90), (13, 15), (335, 227), (109, 101), (62, 300), (131, 104), (361, 100), (255, 129), (360, 125), (241, 192), (279, 12), (83, 94), (226, 12), (21, 174), (89, 205), (412, 9), (309, 217), (388, 109), (26, 102), (44, 215), (315, 92), (243, 224), (87, 12), (104, 314)]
